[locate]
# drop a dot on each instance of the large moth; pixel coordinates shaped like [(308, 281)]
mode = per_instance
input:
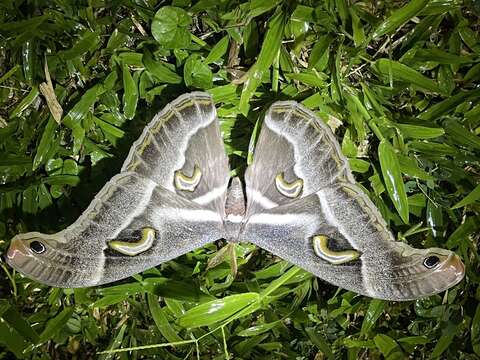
[(174, 194)]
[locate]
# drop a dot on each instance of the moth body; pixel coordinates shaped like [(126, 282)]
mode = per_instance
[(234, 210)]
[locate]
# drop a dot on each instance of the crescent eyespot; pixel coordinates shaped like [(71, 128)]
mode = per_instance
[(188, 183), (291, 190), (135, 248), (320, 246)]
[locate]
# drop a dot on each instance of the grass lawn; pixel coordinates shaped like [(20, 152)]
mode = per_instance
[(80, 79)]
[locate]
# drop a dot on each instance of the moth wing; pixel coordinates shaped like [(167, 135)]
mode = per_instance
[(296, 155), (330, 227), (131, 225), (167, 200), (182, 150)]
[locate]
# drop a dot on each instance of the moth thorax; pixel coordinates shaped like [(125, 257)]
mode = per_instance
[(235, 203), (234, 209)]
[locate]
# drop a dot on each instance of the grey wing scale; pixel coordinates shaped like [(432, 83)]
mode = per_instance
[(127, 205), (168, 200), (295, 146), (183, 137), (336, 212), (304, 206)]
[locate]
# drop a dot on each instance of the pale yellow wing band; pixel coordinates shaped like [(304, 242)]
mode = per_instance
[(188, 183), (320, 246), (291, 190), (135, 248)]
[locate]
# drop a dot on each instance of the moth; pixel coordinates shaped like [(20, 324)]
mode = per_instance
[(174, 194)]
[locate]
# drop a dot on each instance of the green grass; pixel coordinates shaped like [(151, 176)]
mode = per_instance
[(400, 83)]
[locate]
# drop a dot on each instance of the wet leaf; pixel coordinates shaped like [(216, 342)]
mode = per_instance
[(268, 52), (55, 324), (217, 310), (400, 72), (161, 72), (399, 17), (375, 310), (473, 196), (218, 51), (25, 103), (197, 74), (392, 177), (130, 94), (170, 27), (161, 320)]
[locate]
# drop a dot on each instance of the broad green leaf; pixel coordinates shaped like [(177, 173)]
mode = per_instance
[(25, 103), (245, 347), (433, 148), (419, 132), (23, 25), (225, 93), (44, 197), (56, 324), (375, 310), (161, 320), (259, 329), (399, 17), (359, 165), (259, 7), (218, 51), (115, 343), (448, 105), (473, 196), (414, 340), (14, 319), (109, 128), (9, 73), (81, 108), (467, 228), (409, 166), (88, 42), (461, 135), (109, 300), (130, 94), (29, 203), (443, 344), (170, 27), (217, 310), (434, 217), (392, 177), (197, 74), (270, 47), (306, 77), (400, 72), (45, 144), (273, 270), (70, 167), (54, 166), (435, 7), (357, 27), (178, 290), (441, 57), (320, 342), (61, 180), (389, 347), (12, 340), (319, 48), (472, 74), (160, 71)]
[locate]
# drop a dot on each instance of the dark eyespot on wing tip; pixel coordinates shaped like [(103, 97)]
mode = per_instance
[(37, 247), (431, 261)]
